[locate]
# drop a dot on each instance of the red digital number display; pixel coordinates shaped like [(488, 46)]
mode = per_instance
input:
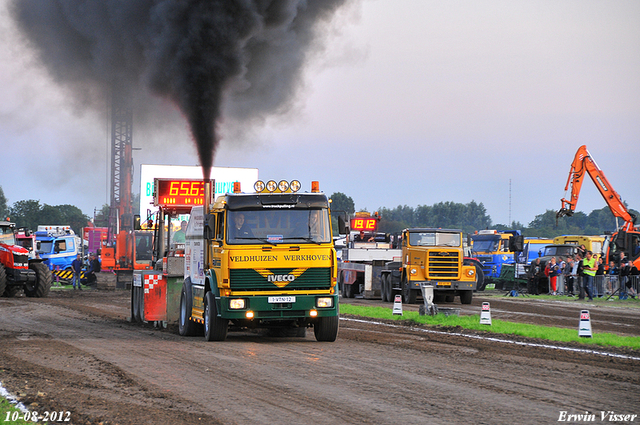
[(367, 224), (179, 192)]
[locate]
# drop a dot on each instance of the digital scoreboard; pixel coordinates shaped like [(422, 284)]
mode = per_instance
[(180, 192), (366, 224)]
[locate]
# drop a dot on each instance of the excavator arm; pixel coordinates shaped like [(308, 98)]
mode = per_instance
[(583, 164)]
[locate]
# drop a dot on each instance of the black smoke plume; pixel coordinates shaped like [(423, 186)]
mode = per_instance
[(197, 53)]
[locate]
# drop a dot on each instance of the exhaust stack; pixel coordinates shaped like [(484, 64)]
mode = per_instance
[(207, 205)]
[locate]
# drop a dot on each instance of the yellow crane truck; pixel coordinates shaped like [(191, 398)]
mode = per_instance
[(261, 260), (430, 257)]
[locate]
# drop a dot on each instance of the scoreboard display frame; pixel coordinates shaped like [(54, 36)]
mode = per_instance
[(180, 192)]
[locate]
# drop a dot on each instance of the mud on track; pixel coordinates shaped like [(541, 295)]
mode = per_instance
[(76, 352)]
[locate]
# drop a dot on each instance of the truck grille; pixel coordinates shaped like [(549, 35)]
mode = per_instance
[(444, 264), (20, 260), (252, 280)]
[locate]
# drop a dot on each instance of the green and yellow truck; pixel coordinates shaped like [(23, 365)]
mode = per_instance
[(261, 260)]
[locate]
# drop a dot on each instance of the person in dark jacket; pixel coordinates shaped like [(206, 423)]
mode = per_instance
[(94, 267), (76, 267), (535, 271)]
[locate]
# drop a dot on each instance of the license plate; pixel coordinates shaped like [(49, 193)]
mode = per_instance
[(444, 283), (281, 300)]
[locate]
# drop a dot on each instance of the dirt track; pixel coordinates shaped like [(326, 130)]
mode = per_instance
[(76, 352)]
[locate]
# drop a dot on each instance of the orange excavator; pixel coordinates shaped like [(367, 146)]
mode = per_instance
[(627, 238)]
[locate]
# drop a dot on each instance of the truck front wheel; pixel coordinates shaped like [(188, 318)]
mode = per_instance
[(466, 297), (326, 328), (39, 288), (215, 328), (410, 295)]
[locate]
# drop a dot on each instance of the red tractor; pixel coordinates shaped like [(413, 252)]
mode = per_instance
[(17, 271)]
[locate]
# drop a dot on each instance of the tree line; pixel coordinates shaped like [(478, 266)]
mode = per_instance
[(473, 216), (468, 217)]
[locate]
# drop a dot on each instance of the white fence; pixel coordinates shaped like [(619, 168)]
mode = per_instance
[(603, 285)]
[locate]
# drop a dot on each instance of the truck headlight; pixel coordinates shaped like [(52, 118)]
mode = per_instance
[(471, 272), (324, 302), (237, 304), (413, 271)]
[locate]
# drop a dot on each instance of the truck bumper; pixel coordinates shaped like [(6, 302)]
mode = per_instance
[(300, 308), (444, 285)]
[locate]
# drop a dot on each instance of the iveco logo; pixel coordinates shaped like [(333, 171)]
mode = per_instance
[(281, 278)]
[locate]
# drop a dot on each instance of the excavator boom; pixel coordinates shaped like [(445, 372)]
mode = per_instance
[(583, 164)]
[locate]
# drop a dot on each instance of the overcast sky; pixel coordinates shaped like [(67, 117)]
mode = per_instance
[(411, 103)]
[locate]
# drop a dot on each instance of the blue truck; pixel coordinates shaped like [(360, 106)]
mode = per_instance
[(491, 248), (58, 246)]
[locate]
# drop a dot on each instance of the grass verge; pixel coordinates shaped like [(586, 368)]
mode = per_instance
[(9, 414), (497, 326)]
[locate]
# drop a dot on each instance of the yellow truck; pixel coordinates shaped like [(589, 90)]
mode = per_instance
[(591, 243), (261, 260), (430, 257)]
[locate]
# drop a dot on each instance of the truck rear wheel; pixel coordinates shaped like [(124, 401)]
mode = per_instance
[(326, 328), (384, 283), (466, 297), (215, 328), (185, 326), (3, 280), (390, 294), (39, 288), (348, 291)]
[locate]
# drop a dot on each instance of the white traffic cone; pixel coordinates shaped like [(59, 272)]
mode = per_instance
[(397, 305), (584, 329), (485, 314)]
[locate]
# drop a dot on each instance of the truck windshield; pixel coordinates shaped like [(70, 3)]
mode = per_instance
[(434, 239), (144, 244), (558, 250), (7, 236), (485, 246), (45, 247), (278, 226)]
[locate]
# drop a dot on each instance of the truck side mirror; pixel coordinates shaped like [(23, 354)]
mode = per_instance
[(209, 226), (342, 225), (516, 243), (136, 222)]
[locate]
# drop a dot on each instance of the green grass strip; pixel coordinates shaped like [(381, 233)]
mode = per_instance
[(8, 412), (497, 326)]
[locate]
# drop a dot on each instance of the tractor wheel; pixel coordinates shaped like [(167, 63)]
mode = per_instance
[(40, 288), (215, 328), (480, 283), (3, 279), (11, 290), (185, 326)]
